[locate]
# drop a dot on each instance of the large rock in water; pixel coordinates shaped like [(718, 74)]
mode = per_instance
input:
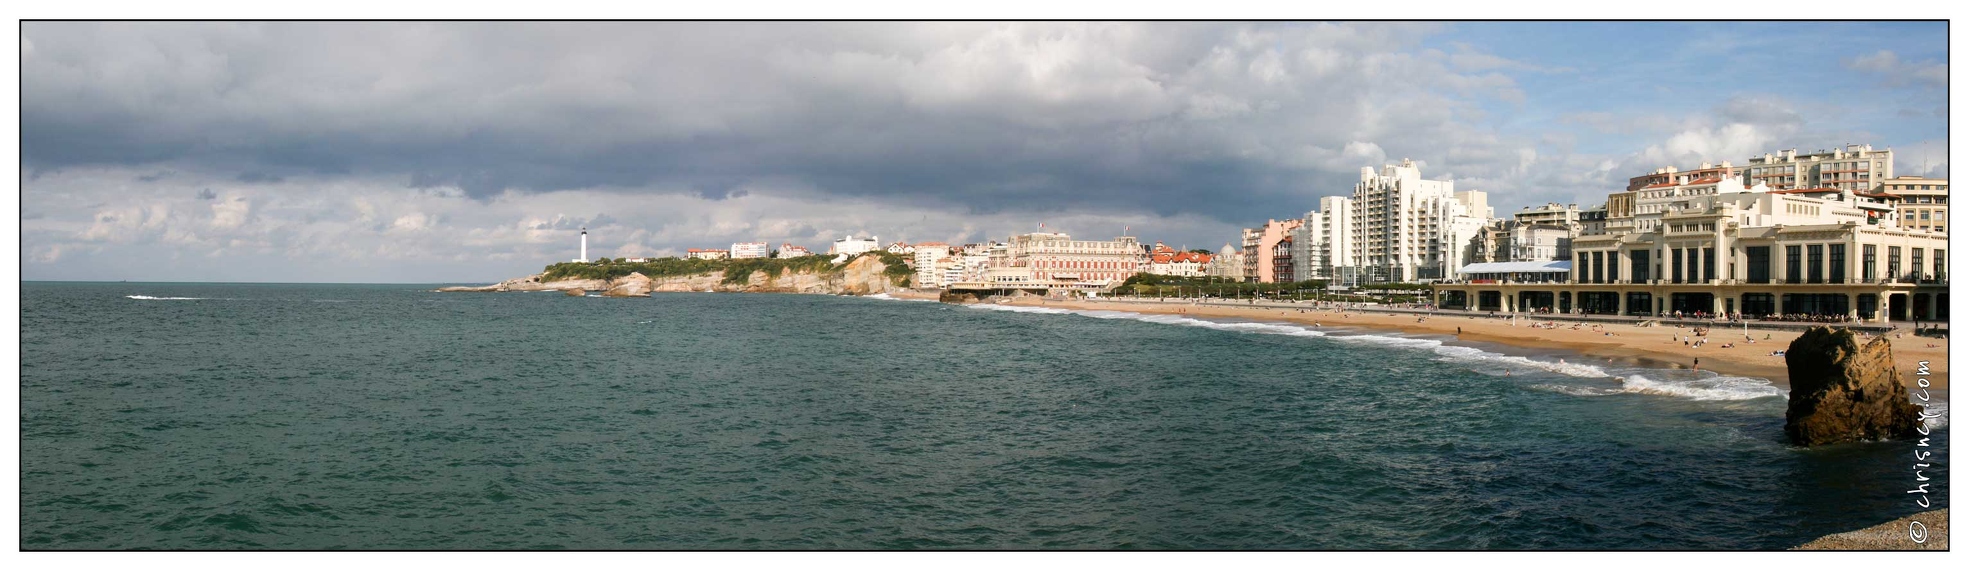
[(575, 292), (1842, 391)]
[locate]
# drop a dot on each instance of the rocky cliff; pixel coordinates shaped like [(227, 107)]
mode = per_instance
[(1843, 391), (861, 276)]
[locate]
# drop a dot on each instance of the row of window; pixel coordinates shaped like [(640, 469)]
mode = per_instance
[(1804, 263)]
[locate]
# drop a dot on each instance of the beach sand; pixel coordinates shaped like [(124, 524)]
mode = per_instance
[(1650, 346)]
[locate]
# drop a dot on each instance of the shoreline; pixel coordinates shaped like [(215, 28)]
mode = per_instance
[(1656, 347)]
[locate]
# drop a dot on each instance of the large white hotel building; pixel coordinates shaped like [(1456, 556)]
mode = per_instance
[(1716, 245)]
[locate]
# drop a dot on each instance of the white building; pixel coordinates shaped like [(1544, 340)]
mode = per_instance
[(584, 247), (1410, 229), (902, 249), (706, 254), (927, 255), (1920, 203), (788, 250), (852, 246), (1853, 167), (1321, 248), (743, 250)]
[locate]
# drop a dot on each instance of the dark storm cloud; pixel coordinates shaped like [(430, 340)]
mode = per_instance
[(1160, 118), (207, 194)]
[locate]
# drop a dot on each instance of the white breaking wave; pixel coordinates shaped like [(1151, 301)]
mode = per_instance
[(893, 298), (1936, 407), (1718, 387), (1712, 387), (1264, 328), (164, 298), (1572, 390)]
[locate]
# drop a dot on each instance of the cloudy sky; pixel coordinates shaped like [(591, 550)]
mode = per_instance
[(435, 152)]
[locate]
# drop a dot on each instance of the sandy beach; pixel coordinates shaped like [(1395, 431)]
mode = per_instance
[(1726, 352)]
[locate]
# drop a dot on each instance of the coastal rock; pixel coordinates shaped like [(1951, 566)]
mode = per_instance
[(576, 292), (1843, 391), (633, 285), (958, 297)]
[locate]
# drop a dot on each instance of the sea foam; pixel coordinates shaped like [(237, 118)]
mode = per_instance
[(1709, 387), (146, 297)]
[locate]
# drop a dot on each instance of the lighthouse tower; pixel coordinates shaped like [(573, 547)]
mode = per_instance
[(584, 246)]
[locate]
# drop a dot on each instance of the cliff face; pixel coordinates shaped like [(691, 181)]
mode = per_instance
[(861, 276)]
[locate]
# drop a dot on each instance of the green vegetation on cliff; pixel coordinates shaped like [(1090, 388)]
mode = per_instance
[(736, 271), (893, 266)]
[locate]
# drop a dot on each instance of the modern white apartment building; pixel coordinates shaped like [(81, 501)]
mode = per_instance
[(1055, 260), (1920, 203), (1408, 228), (852, 246), (742, 250), (927, 255), (1853, 167)]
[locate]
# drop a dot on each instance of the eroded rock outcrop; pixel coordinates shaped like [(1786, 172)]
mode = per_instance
[(575, 292), (1843, 391), (633, 285)]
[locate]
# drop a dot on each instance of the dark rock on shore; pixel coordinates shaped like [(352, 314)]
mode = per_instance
[(1843, 391)]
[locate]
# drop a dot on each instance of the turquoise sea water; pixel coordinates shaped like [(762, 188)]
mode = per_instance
[(348, 416)]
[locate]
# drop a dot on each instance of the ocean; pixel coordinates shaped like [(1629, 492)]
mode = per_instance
[(245, 416)]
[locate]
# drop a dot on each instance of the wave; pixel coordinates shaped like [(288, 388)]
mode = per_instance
[(1708, 387), (893, 298), (1165, 319), (1715, 387), (146, 297), (1936, 407)]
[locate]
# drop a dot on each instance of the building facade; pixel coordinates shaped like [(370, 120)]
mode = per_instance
[(744, 250), (788, 250), (1852, 167), (706, 254), (1920, 203), (1410, 229), (1055, 261), (927, 255), (852, 246), (1749, 251), (1260, 263)]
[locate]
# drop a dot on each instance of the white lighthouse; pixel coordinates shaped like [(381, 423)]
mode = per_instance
[(584, 246)]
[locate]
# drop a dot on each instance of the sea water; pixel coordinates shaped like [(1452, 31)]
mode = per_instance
[(388, 416)]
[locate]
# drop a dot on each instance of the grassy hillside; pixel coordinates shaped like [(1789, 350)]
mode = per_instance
[(736, 271)]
